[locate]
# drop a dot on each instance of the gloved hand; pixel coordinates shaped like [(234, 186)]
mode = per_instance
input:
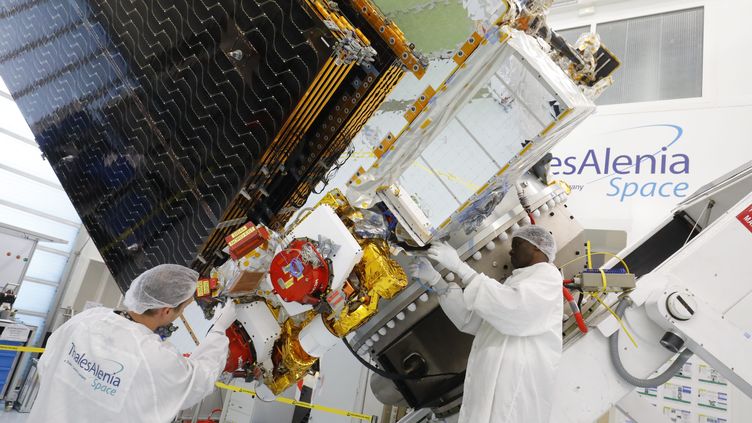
[(423, 270), (448, 257), (226, 316)]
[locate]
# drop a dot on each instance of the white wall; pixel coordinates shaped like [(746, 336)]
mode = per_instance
[(88, 280), (715, 130)]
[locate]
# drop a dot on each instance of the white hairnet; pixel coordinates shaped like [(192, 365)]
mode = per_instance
[(540, 237), (166, 285)]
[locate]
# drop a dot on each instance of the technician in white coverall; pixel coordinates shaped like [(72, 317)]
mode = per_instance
[(517, 328), (101, 366)]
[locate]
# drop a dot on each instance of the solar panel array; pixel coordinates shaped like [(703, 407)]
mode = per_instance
[(171, 122)]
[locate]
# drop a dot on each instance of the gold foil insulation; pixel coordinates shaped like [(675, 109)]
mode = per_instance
[(295, 361), (377, 272), (342, 207), (381, 276), (335, 200), (349, 321)]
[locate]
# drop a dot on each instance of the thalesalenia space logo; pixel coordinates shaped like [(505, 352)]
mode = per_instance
[(625, 174), (102, 376)]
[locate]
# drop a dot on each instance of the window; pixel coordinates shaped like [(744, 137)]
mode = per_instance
[(35, 297), (31, 198), (661, 56)]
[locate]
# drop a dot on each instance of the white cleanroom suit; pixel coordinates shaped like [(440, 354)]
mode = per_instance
[(101, 367), (517, 346), (517, 327), (105, 367)]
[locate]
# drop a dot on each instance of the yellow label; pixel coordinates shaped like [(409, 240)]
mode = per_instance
[(202, 288), (503, 169), (234, 241), (548, 128), (239, 231), (240, 237)]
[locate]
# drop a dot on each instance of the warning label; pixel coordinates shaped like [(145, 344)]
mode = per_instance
[(746, 217)]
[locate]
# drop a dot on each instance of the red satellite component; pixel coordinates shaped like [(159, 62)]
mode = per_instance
[(299, 272), (240, 353)]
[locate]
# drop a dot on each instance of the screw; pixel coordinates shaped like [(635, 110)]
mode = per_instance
[(236, 54)]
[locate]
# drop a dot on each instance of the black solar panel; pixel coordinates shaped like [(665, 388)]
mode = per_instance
[(155, 114)]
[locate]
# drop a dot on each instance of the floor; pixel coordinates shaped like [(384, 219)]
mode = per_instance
[(12, 416)]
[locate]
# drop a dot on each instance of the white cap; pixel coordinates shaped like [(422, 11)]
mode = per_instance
[(166, 285), (539, 237)]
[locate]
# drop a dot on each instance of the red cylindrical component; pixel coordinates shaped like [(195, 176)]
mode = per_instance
[(300, 273), (240, 348), (575, 310)]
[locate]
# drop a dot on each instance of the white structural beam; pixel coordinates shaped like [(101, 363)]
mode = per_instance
[(27, 234), (40, 281), (34, 178), (53, 250), (39, 213), (31, 313), (78, 246), (19, 137)]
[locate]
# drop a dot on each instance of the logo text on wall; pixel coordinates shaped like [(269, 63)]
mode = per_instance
[(648, 174)]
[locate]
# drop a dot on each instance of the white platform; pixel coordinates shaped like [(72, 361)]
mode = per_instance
[(13, 417)]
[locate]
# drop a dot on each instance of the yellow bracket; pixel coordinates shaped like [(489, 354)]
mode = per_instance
[(470, 45), (419, 104), (356, 177), (384, 146), (392, 35)]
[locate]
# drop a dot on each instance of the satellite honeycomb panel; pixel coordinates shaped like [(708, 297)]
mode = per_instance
[(170, 123)]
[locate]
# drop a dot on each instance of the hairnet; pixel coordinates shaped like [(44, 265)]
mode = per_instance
[(539, 237), (166, 285)]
